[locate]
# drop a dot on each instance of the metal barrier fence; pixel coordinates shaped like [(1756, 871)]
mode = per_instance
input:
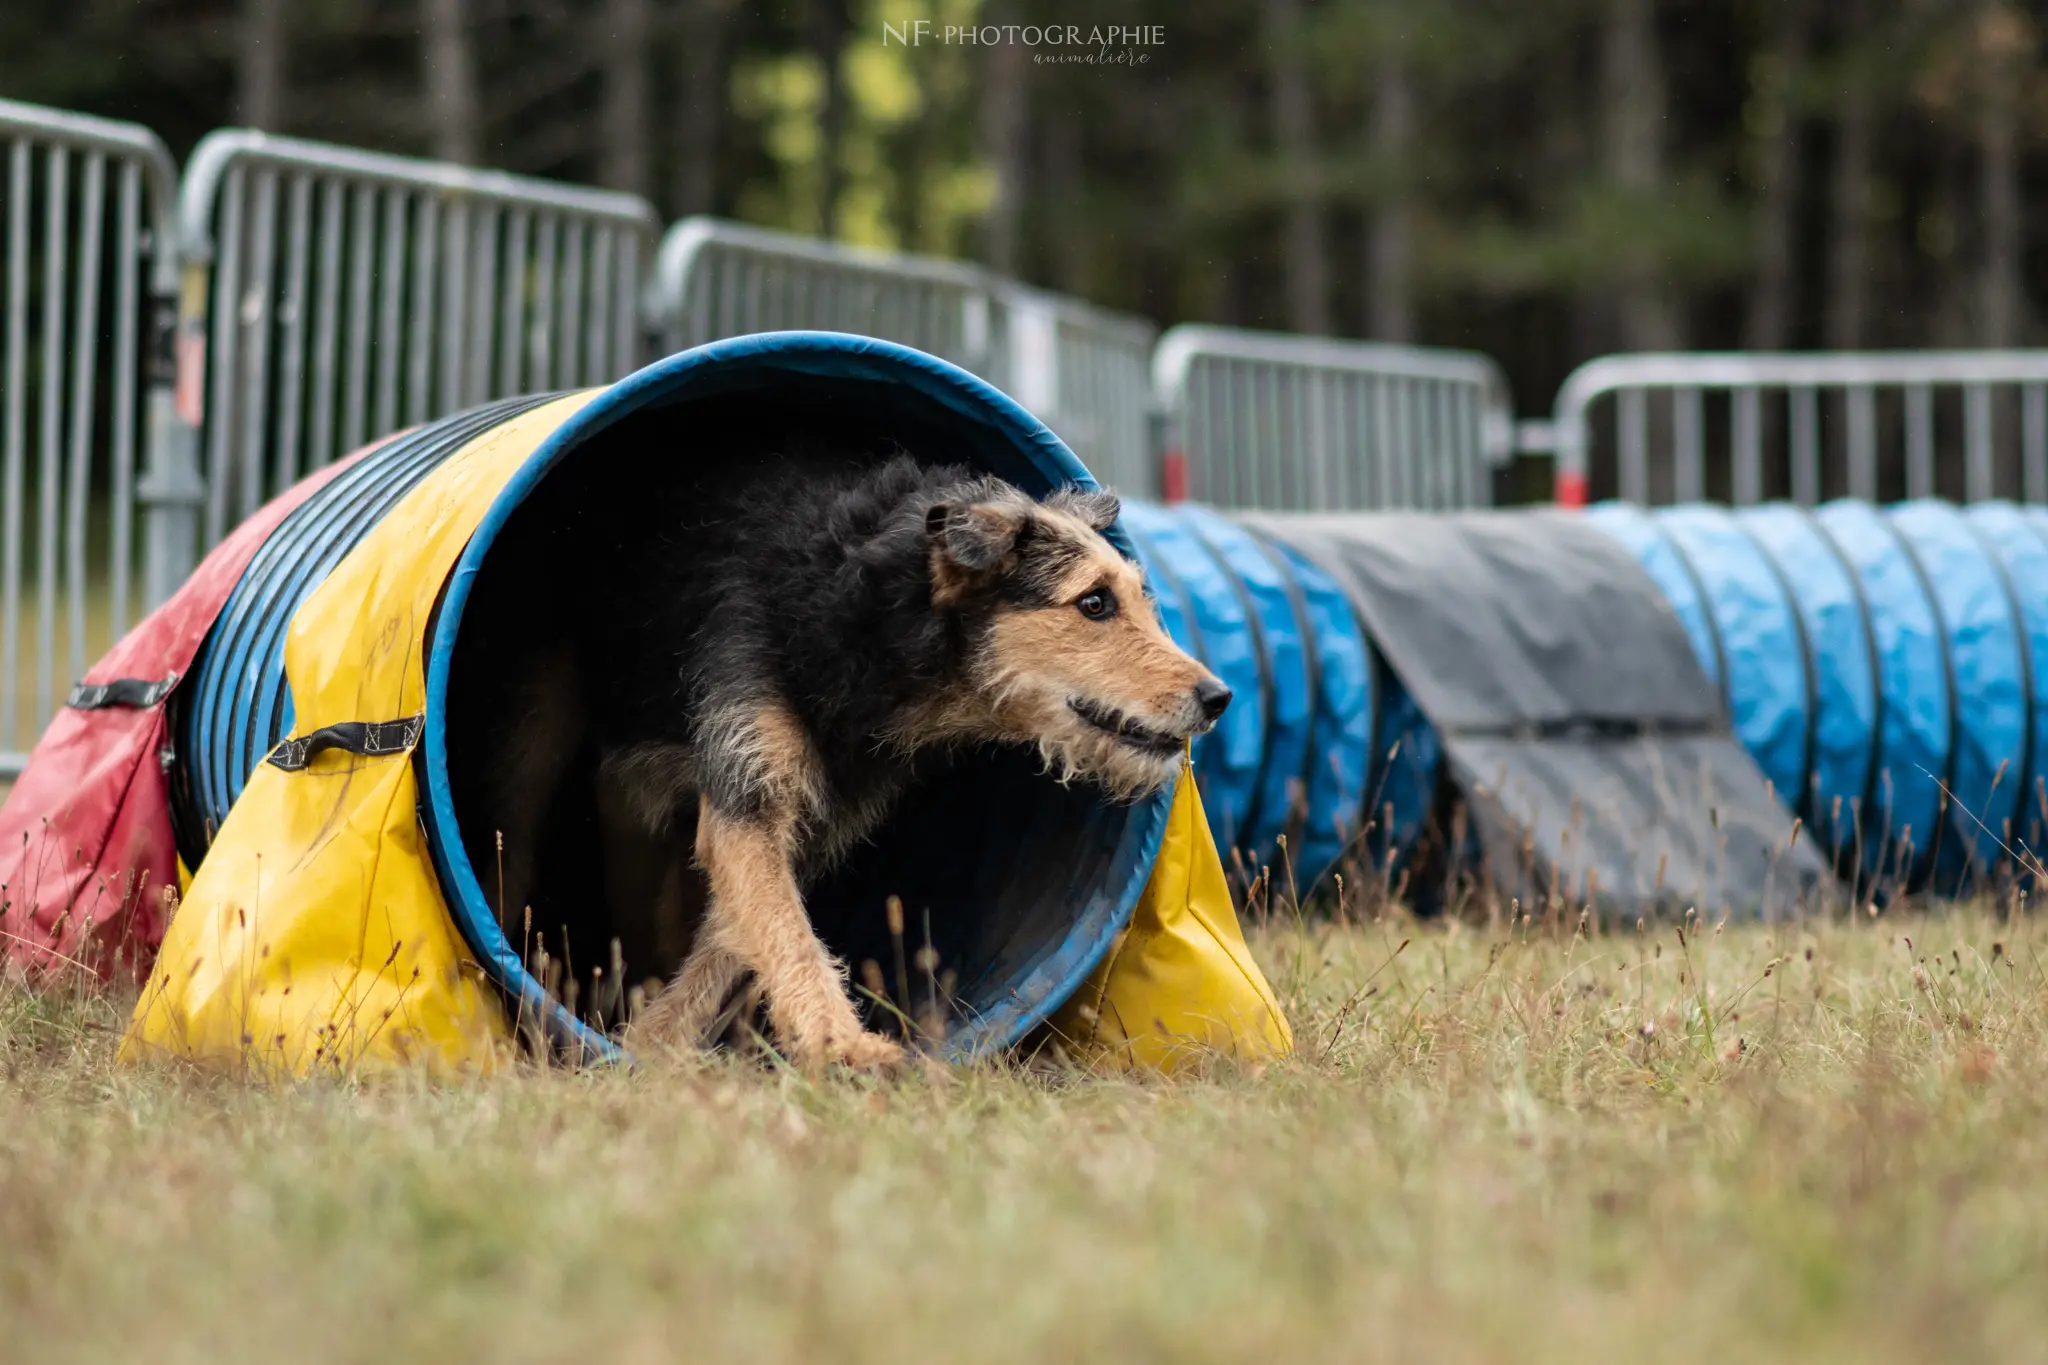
[(89, 282), (717, 279), (1087, 372), (332, 296), (186, 353), (1080, 369), (1265, 420), (1885, 418)]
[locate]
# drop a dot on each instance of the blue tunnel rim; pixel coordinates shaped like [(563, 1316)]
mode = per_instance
[(839, 354), (1252, 819), (1945, 782), (1803, 800), (1684, 522), (2031, 752), (1921, 522), (1865, 812), (2023, 653)]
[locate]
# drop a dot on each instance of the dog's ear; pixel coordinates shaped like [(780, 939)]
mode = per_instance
[(1098, 509), (973, 542)]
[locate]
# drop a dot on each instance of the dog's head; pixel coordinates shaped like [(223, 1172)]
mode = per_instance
[(1064, 649)]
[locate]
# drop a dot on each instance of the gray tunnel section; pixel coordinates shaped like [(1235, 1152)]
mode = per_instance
[(1588, 743)]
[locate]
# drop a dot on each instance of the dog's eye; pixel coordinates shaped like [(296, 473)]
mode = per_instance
[(1096, 606)]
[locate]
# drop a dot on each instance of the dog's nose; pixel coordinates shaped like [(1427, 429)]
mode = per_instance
[(1212, 696)]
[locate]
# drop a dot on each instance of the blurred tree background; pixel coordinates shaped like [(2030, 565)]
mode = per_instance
[(1541, 179)]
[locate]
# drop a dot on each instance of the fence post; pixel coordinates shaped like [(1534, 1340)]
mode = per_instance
[(95, 377), (170, 489), (1162, 433)]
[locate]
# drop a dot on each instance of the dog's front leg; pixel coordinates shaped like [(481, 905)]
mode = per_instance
[(756, 919), (683, 1013)]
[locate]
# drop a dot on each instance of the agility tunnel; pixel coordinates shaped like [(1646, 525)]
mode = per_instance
[(1883, 667), (1320, 729), (1745, 712), (1501, 694), (1876, 666), (316, 779)]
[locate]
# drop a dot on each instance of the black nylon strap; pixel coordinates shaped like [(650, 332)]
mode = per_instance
[(136, 693), (364, 738)]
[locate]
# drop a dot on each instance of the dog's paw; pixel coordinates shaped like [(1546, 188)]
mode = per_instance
[(870, 1053)]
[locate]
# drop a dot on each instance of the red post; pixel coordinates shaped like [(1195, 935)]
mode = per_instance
[(1173, 476)]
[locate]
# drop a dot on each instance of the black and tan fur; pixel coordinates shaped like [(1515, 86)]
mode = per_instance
[(762, 659)]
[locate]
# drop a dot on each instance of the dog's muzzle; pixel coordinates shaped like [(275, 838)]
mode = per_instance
[(1126, 729)]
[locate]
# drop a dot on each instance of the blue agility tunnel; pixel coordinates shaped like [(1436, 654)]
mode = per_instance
[(1300, 752), (1885, 670), (1343, 747), (1407, 666), (1881, 665), (1027, 883)]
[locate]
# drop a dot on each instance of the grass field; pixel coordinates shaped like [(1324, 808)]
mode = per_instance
[(1813, 1143)]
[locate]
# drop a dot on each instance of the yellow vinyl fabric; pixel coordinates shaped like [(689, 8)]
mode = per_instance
[(1180, 986), (313, 937)]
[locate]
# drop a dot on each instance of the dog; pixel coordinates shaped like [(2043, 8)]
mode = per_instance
[(757, 663)]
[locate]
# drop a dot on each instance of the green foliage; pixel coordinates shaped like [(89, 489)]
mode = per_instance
[(1161, 188)]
